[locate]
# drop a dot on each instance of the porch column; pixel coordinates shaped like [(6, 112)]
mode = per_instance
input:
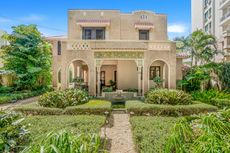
[(98, 81), (139, 80), (164, 75)]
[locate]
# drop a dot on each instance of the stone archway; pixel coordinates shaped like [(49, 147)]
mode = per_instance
[(78, 71), (159, 68)]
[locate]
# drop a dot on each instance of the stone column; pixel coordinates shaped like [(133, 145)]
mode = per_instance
[(164, 75), (139, 80), (98, 81)]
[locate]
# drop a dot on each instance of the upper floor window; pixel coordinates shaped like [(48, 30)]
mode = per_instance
[(143, 34), (93, 33), (59, 47)]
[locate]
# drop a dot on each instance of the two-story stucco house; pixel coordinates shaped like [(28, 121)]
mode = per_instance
[(128, 48)]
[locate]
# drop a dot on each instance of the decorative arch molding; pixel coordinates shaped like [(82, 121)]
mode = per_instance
[(169, 71)]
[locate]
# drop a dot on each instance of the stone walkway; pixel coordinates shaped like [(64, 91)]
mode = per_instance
[(18, 103), (120, 134)]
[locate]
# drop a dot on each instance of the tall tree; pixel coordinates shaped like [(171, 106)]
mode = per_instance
[(29, 56)]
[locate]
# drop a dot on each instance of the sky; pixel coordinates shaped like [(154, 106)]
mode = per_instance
[(51, 15)]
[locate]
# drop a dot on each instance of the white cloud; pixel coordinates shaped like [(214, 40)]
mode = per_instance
[(32, 17), (177, 28), (4, 20)]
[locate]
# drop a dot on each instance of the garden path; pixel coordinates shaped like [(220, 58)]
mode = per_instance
[(19, 102), (120, 134)]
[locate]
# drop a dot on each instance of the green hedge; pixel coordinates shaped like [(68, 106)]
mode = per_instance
[(140, 108), (92, 107)]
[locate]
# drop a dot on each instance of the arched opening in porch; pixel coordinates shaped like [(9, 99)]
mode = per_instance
[(78, 74), (159, 74)]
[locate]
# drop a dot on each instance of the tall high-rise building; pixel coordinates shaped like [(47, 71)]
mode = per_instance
[(213, 16), (224, 7)]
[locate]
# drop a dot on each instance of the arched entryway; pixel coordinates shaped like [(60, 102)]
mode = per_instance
[(78, 74), (159, 69)]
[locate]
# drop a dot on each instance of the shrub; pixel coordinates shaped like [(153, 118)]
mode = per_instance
[(62, 99), (140, 108), (107, 89), (206, 133), (131, 90), (68, 143), (4, 89), (5, 99), (13, 134), (171, 97), (208, 95)]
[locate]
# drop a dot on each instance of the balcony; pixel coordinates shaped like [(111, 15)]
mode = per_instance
[(119, 45), (224, 4), (225, 19)]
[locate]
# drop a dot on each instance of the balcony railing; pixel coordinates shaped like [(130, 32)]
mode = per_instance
[(225, 16), (126, 45)]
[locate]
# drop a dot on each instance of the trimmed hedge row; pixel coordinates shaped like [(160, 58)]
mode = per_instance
[(140, 108), (95, 107)]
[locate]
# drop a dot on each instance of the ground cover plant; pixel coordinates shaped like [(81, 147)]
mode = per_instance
[(13, 133), (205, 133), (214, 97), (62, 99), (169, 97), (150, 133), (135, 107), (65, 142), (44, 130), (13, 96)]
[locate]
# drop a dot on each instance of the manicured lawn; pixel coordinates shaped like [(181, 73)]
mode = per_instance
[(40, 126), (150, 133)]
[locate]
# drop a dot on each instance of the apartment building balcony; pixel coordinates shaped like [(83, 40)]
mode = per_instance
[(225, 19), (224, 4), (119, 45)]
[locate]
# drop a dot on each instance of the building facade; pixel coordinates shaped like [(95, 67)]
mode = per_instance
[(212, 16), (129, 49)]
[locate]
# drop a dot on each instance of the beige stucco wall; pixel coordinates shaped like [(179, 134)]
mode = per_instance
[(126, 74), (109, 73), (121, 25), (179, 64)]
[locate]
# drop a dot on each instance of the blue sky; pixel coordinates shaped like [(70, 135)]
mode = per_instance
[(51, 15)]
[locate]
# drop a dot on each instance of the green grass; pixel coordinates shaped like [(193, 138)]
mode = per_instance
[(139, 108), (150, 133), (40, 126)]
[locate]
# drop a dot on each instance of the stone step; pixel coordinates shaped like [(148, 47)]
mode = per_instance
[(119, 111)]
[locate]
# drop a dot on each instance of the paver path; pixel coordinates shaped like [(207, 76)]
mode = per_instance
[(19, 102), (120, 134)]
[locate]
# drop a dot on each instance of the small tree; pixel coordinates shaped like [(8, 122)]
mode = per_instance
[(29, 56)]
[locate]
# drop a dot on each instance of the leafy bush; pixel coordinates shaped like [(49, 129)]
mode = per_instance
[(107, 89), (4, 89), (5, 99), (68, 143), (206, 133), (131, 90), (170, 97), (140, 108), (13, 134), (208, 95), (62, 99)]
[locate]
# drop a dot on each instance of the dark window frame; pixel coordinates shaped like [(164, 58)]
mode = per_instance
[(142, 32), (59, 48), (96, 33), (153, 72)]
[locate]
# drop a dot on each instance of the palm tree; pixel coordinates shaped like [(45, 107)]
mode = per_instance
[(203, 47)]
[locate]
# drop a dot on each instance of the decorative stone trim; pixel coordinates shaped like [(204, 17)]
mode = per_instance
[(119, 55), (78, 45), (158, 46)]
